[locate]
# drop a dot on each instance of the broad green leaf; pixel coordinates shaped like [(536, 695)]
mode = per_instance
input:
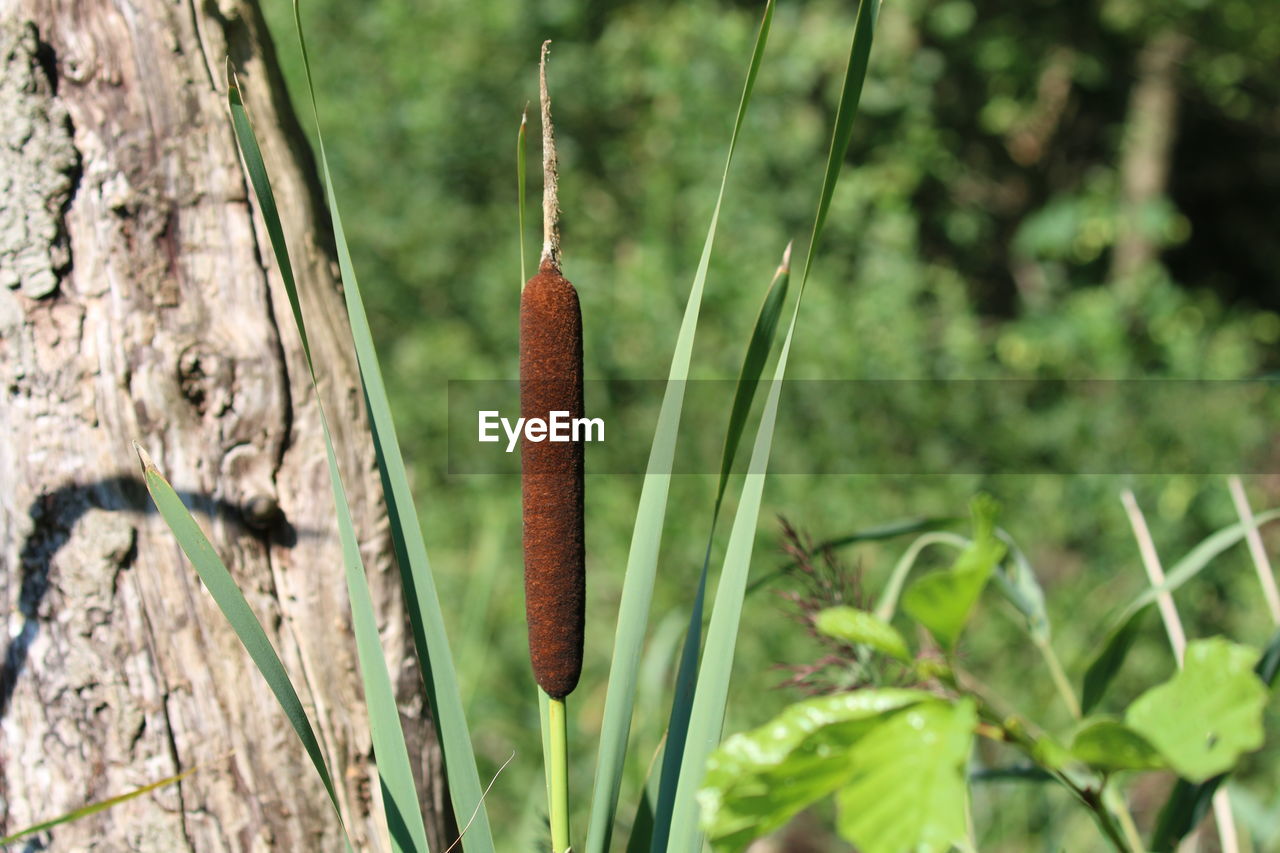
[(94, 808), (231, 601), (1208, 714), (426, 618), (942, 601), (1109, 659), (706, 718), (646, 534), (1189, 801), (859, 626), (1111, 745), (686, 675), (908, 788), (756, 781)]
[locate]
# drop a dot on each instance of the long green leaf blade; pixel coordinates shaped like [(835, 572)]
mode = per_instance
[(753, 365), (231, 601), (646, 536), (399, 794), (254, 165), (400, 801), (707, 716), (422, 601), (1204, 553)]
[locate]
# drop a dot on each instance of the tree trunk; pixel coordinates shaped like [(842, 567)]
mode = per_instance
[(135, 304), (1150, 130)]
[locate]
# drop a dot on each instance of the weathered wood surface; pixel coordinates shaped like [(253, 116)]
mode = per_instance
[(135, 304)]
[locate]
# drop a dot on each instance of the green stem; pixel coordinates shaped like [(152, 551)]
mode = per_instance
[(1114, 800), (1108, 827), (1059, 677), (559, 776), (1014, 732)]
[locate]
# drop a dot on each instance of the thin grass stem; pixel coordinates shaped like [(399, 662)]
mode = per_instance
[(1060, 680), (1262, 563), (1155, 574)]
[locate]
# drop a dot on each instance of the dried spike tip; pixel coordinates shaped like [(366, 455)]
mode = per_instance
[(552, 481), (550, 170)]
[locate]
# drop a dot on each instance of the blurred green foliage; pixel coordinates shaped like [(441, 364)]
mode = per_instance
[(972, 237)]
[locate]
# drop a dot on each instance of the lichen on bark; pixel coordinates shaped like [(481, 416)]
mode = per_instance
[(38, 163)]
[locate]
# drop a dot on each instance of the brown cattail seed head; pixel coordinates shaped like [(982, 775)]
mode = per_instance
[(552, 481)]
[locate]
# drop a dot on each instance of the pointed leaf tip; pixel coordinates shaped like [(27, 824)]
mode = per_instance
[(144, 458), (785, 266)]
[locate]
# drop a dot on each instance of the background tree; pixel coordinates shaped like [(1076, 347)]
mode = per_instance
[(137, 304)]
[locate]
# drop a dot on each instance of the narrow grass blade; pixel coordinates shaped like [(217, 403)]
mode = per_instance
[(642, 827), (400, 799), (888, 603), (879, 533), (94, 808), (1119, 639), (646, 536), (758, 349), (422, 601), (399, 794), (892, 530), (1107, 662), (753, 364), (707, 716), (254, 165), (1204, 553), (231, 601), (1189, 802)]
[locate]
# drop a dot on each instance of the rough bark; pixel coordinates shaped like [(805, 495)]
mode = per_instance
[(136, 304)]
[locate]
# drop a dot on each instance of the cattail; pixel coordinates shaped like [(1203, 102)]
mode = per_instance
[(552, 472)]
